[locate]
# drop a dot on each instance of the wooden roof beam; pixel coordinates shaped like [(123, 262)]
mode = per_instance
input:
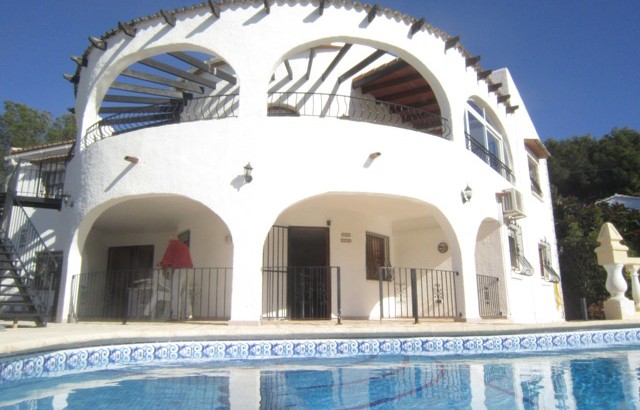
[(216, 72), (362, 64), (81, 61), (417, 25), (289, 70), (504, 98), (127, 29), (321, 7), (373, 12), (389, 69), (149, 62), (451, 43), (512, 108), (182, 85), (386, 84), (312, 54), (97, 43), (145, 90), (128, 99), (267, 6), (472, 61), (336, 60), (494, 87), (169, 18), (407, 93), (215, 8), (484, 74), (74, 79)]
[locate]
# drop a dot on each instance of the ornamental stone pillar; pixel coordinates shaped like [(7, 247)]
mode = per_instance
[(612, 255), (635, 286)]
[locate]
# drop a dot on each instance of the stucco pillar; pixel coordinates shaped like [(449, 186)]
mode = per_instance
[(612, 255), (246, 287), (468, 297), (635, 286)]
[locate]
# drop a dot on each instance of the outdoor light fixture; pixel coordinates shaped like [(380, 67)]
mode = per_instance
[(467, 193), (133, 160), (66, 199), (374, 155), (247, 173)]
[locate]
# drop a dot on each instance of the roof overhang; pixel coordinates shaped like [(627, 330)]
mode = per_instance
[(537, 148)]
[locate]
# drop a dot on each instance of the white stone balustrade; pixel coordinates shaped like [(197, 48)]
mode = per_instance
[(612, 255)]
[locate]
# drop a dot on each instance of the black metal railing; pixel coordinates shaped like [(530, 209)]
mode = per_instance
[(37, 264), (494, 162), (489, 296), (152, 294), (301, 292), (417, 293), (179, 110), (42, 180), (356, 109)]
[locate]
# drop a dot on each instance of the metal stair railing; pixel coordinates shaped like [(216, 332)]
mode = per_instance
[(31, 254)]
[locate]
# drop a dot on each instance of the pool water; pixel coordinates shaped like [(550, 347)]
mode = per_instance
[(583, 380)]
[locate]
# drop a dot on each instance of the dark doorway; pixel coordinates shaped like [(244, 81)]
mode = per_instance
[(125, 266), (308, 273)]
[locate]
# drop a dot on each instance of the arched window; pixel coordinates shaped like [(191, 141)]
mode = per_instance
[(484, 140)]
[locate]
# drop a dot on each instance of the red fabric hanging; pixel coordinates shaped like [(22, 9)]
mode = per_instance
[(177, 255)]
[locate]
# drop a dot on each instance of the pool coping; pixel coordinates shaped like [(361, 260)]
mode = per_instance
[(117, 353)]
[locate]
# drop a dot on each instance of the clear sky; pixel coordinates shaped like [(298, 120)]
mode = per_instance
[(575, 62)]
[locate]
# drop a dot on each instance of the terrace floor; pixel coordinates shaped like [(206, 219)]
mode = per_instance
[(27, 338)]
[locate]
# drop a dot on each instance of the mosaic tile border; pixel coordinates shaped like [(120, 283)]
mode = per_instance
[(104, 357)]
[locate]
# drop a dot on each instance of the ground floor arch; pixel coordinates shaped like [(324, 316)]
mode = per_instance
[(490, 270), (373, 242), (123, 258)]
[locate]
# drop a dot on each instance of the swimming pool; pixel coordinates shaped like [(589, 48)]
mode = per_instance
[(595, 369)]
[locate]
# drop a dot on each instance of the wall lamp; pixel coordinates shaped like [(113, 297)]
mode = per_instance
[(66, 199), (133, 160), (467, 194), (247, 173)]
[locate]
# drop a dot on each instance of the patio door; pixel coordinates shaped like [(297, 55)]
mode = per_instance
[(308, 273), (125, 266)]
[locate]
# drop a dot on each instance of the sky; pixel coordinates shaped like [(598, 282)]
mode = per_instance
[(576, 63)]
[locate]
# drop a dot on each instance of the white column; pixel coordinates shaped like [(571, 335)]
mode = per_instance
[(635, 286)]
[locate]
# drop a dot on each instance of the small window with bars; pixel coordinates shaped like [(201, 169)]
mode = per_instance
[(377, 255), (519, 264), (546, 269)]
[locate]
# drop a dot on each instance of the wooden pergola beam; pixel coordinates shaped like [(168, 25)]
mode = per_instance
[(149, 62), (169, 18), (504, 98), (472, 61), (267, 6), (321, 7), (362, 64), (127, 29), (289, 70), (380, 73), (116, 85), (182, 85), (216, 72), (128, 99), (215, 8), (417, 25), (97, 43), (373, 12), (407, 93), (137, 109), (336, 60), (74, 79), (512, 108), (312, 54), (484, 74), (386, 84), (451, 42), (81, 61)]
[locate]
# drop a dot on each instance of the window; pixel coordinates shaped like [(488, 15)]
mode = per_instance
[(52, 179), (484, 140), (519, 264), (534, 177), (546, 270), (377, 255)]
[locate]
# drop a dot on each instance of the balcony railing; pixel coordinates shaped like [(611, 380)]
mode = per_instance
[(152, 294), (356, 109), (187, 110), (494, 162), (417, 293)]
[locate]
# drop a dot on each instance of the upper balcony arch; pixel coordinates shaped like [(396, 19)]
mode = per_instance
[(161, 86), (360, 79), (486, 137)]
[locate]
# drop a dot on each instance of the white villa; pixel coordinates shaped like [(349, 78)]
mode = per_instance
[(322, 159)]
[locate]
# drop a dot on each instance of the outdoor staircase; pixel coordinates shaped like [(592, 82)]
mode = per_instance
[(18, 300)]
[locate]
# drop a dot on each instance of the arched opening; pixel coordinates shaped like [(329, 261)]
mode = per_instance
[(492, 297), (487, 139), (155, 258), (357, 82), (167, 88), (364, 247)]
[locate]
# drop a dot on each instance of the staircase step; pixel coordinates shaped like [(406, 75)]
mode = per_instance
[(13, 315)]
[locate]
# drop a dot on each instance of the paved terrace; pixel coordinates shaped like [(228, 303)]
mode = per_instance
[(27, 338)]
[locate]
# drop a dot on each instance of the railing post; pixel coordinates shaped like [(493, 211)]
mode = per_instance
[(380, 282), (414, 296), (339, 298)]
